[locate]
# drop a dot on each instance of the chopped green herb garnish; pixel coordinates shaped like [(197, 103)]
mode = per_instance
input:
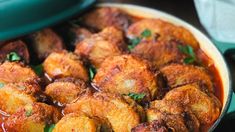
[(38, 69), (135, 41), (92, 72), (28, 113), (136, 96), (146, 33), (13, 56), (187, 50), (1, 85), (49, 128)]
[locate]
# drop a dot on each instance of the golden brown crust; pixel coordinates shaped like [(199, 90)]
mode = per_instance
[(126, 74), (13, 72), (153, 126), (32, 117), (45, 42), (99, 46), (18, 47), (166, 30), (159, 53), (206, 108), (176, 116), (65, 90), (65, 64), (103, 17), (179, 74), (80, 122), (114, 108)]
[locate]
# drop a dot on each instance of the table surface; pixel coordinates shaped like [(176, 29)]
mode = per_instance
[(185, 10)]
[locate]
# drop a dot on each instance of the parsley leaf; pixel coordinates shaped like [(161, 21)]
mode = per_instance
[(38, 69), (135, 41), (146, 33), (136, 96), (49, 128), (187, 50), (92, 72), (1, 84), (13, 56)]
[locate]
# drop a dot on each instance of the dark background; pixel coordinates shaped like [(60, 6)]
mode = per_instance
[(185, 10)]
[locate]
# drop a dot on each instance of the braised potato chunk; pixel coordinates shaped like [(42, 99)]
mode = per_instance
[(162, 31), (177, 117), (66, 90), (154, 126), (32, 118), (101, 18), (13, 72), (160, 53), (65, 64), (205, 107), (14, 96), (99, 46), (126, 74), (178, 75), (80, 122), (121, 115), (18, 47), (45, 42)]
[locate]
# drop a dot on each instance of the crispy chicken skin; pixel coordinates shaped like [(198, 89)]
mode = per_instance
[(177, 117), (13, 72), (153, 126), (109, 42), (32, 118), (206, 107), (179, 74), (103, 17), (18, 47), (65, 64), (121, 115), (82, 123), (159, 53), (65, 90), (14, 96), (45, 42), (126, 74), (80, 34), (163, 31)]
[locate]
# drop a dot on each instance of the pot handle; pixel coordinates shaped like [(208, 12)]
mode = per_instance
[(228, 50)]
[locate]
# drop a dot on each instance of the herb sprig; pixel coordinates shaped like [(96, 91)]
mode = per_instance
[(92, 72), (13, 56), (187, 50), (49, 128), (135, 41), (137, 96), (38, 69)]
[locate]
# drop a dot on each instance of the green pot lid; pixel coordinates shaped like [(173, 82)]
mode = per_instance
[(19, 17)]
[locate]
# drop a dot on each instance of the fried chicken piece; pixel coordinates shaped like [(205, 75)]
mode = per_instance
[(206, 107), (65, 90), (177, 117), (121, 115), (153, 126), (103, 17), (108, 42), (18, 47), (126, 74), (179, 74), (13, 72), (82, 123), (160, 53), (162, 31), (65, 64), (32, 118), (45, 42)]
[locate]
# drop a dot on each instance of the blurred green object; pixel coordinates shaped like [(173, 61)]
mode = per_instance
[(19, 17)]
